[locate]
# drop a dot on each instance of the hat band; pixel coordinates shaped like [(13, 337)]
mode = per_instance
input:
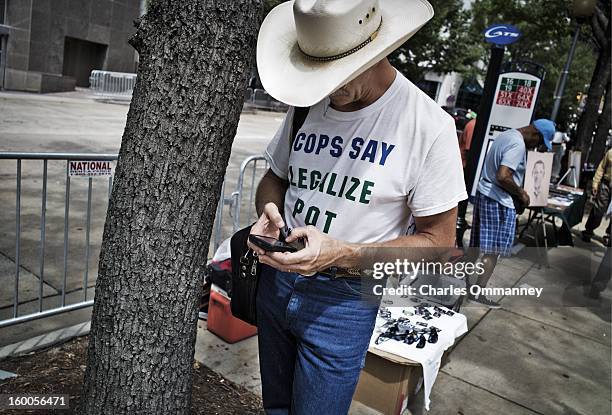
[(348, 52)]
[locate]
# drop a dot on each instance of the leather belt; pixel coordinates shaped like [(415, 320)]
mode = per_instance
[(338, 272)]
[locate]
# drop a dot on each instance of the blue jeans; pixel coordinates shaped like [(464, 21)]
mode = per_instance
[(313, 337)]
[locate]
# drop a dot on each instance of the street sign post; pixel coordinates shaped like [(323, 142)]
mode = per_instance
[(502, 34), (499, 35)]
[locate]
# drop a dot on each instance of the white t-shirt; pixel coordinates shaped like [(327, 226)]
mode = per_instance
[(358, 176)]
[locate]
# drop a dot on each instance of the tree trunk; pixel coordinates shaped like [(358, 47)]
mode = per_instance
[(603, 127), (588, 119), (195, 56)]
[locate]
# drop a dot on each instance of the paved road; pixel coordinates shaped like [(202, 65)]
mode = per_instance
[(74, 122)]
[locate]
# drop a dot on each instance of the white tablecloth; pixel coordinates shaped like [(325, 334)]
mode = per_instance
[(431, 355)]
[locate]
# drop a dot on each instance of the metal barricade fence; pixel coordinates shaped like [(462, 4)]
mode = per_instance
[(112, 85), (120, 86), (260, 99), (251, 169), (40, 266), (52, 286)]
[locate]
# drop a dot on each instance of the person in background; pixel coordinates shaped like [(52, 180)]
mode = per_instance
[(601, 199), (494, 216), (558, 148), (465, 140), (604, 272)]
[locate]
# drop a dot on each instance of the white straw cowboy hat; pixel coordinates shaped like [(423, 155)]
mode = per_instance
[(307, 49)]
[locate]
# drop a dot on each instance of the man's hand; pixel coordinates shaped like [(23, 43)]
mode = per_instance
[(524, 197), (269, 224), (320, 253)]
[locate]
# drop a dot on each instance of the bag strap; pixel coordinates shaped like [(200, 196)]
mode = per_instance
[(299, 116)]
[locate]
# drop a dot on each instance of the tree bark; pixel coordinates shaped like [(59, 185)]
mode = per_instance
[(195, 56), (588, 119), (603, 127)]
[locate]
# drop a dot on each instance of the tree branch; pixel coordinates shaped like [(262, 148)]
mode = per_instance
[(136, 40), (598, 32), (601, 17)]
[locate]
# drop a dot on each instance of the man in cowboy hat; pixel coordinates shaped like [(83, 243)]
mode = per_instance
[(374, 156)]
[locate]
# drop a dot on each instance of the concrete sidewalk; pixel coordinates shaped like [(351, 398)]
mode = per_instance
[(524, 358), (549, 357)]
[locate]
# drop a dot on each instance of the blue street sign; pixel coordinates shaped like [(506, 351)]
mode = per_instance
[(501, 34)]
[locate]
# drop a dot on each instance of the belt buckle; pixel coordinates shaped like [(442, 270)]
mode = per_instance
[(333, 273)]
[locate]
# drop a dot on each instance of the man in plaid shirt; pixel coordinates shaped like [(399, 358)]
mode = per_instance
[(494, 217)]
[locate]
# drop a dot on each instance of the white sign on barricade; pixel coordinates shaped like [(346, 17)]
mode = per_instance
[(90, 168)]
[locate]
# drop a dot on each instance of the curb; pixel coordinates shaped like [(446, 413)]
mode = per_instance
[(44, 340)]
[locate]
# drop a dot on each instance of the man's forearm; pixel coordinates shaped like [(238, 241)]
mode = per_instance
[(271, 188), (434, 240), (412, 248), (506, 181), (510, 186)]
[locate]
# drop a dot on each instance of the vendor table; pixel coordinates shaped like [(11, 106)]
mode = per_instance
[(564, 203)]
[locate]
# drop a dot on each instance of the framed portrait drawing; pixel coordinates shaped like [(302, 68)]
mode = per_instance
[(537, 177)]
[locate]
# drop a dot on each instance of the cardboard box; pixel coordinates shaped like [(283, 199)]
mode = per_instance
[(388, 382)]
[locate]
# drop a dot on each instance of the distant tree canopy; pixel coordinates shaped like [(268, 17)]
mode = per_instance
[(443, 45), (547, 32), (591, 120), (453, 42)]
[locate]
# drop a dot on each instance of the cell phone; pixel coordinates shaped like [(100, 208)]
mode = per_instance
[(274, 245)]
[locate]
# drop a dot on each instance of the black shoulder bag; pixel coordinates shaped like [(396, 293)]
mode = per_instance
[(245, 265)]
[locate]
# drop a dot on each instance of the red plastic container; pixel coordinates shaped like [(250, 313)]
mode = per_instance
[(222, 323)]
